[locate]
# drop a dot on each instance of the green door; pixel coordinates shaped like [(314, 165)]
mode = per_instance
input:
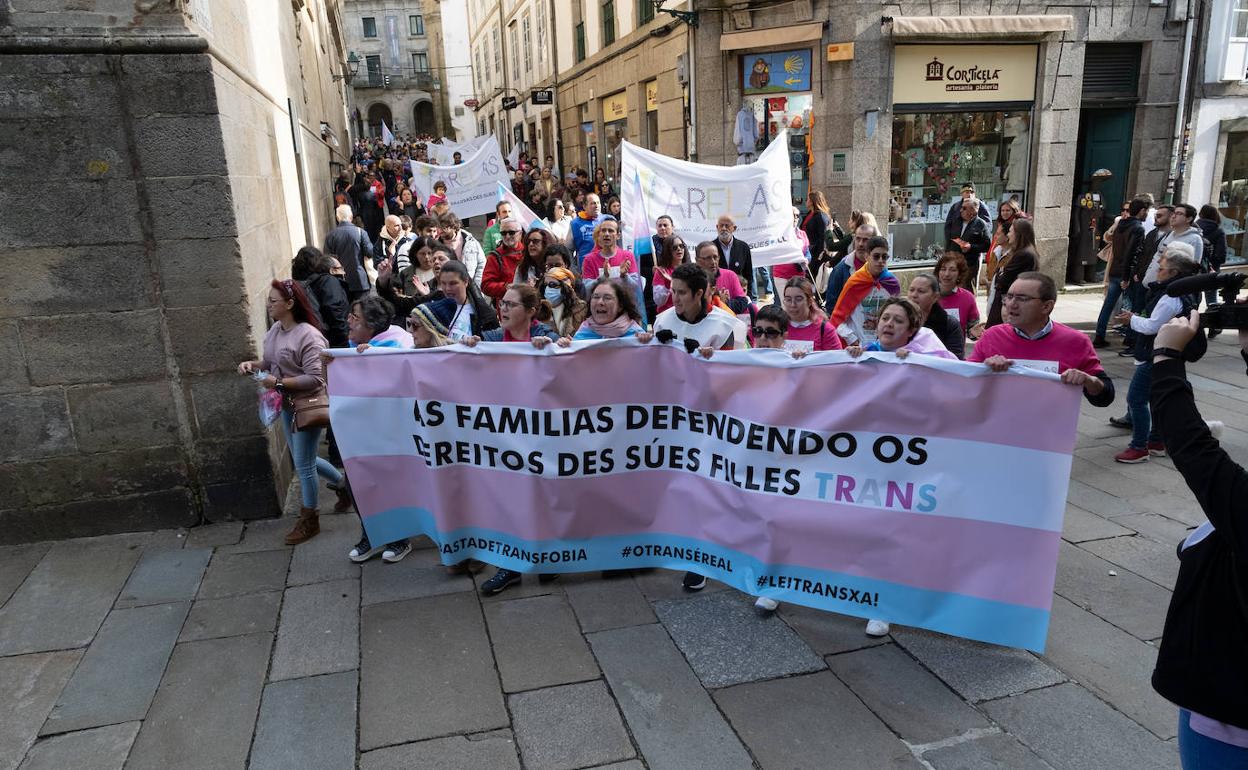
[(1105, 142)]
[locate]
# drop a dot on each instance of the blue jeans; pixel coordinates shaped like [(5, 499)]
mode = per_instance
[(1112, 293), (303, 445), (762, 282), (1200, 752), (1142, 431)]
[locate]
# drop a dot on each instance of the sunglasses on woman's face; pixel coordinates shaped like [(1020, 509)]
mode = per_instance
[(770, 332), (555, 285)]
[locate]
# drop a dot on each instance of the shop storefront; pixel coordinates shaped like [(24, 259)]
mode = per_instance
[(776, 96), (614, 131), (961, 113)]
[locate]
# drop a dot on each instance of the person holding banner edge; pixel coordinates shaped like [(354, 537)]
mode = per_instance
[(519, 311)]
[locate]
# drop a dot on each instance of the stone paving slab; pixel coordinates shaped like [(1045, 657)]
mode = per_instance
[(324, 557), (1162, 529), (262, 535), (727, 642), (1072, 730), (205, 711), (213, 535), (1096, 501), (991, 752), (416, 577), (828, 633), (529, 585), (1127, 600), (80, 580), (426, 671), (165, 576), (537, 643), (975, 670), (487, 751), (569, 727), (1111, 663), (658, 584), (232, 616), (605, 603), (671, 717), (16, 562), (31, 685), (1079, 526), (319, 630), (100, 748), (232, 574), (813, 722), (119, 673), (909, 699), (631, 764), (1145, 557), (307, 724)]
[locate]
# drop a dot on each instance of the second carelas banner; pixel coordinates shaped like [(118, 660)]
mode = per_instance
[(472, 186), (695, 195), (928, 493)]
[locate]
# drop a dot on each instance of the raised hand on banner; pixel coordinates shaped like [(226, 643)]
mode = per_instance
[(540, 342), (644, 337), (1092, 385), (564, 342), (854, 351), (360, 348), (706, 352), (470, 341), (901, 353), (998, 363), (798, 354)]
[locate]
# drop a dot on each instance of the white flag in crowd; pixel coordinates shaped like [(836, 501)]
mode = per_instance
[(386, 136), (472, 186), (513, 157), (757, 196)]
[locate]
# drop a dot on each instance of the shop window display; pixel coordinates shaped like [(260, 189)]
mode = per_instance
[(773, 114), (1233, 196), (934, 154)]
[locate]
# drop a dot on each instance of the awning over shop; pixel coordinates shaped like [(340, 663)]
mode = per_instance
[(979, 27), (766, 38)]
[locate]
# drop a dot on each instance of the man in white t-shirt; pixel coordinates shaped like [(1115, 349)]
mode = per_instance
[(691, 320)]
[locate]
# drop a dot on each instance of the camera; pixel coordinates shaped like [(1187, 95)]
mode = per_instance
[(1227, 314)]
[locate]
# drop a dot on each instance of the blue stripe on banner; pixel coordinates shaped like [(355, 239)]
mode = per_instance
[(1010, 625)]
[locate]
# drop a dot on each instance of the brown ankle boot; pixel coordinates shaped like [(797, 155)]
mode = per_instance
[(306, 528), (344, 503)]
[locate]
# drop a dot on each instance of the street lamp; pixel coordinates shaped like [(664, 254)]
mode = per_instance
[(353, 68)]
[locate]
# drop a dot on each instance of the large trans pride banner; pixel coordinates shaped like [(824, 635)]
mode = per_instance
[(926, 492)]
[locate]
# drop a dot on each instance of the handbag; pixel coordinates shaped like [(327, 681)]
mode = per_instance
[(311, 408)]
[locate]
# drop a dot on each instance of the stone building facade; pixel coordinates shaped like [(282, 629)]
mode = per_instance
[(159, 168), (402, 70), (624, 74), (513, 58), (1026, 101), (1217, 162)]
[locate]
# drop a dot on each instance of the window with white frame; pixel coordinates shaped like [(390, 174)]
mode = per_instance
[(528, 43), (541, 31), (1226, 57)]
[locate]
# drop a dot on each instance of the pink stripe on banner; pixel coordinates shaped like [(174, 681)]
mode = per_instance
[(924, 551), (586, 379)]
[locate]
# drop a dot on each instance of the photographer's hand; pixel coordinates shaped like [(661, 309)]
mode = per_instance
[(1177, 332)]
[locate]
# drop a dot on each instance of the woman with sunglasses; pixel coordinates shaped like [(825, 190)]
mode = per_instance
[(519, 310), (808, 327), (503, 263), (568, 310), (673, 254), (532, 268), (559, 221)]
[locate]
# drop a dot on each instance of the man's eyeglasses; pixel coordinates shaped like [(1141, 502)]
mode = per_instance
[(1019, 298), (770, 332), (508, 232)]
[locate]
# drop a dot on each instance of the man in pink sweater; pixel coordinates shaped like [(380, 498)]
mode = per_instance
[(1030, 337)]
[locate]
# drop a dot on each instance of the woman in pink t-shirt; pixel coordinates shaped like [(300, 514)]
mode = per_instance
[(809, 329), (607, 256), (951, 271)]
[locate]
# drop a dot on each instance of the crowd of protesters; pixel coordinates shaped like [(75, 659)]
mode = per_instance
[(397, 271)]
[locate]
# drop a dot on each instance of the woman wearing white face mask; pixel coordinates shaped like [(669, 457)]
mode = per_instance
[(568, 310)]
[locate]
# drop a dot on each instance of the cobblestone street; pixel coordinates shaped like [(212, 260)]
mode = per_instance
[(221, 647)]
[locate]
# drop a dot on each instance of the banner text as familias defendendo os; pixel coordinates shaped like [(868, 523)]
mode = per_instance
[(928, 493)]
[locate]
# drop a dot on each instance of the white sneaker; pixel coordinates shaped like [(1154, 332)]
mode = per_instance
[(1215, 427), (766, 605), (877, 628)]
